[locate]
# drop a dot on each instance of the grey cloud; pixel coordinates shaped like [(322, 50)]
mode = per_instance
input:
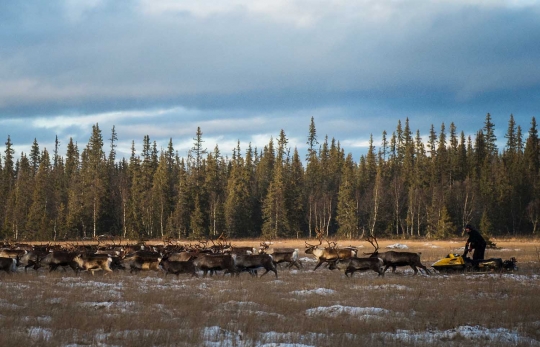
[(429, 61)]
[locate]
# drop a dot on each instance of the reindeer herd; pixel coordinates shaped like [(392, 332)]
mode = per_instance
[(176, 259)]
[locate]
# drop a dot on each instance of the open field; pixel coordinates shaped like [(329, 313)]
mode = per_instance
[(300, 308)]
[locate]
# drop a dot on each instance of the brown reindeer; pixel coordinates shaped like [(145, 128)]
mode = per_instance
[(394, 259), (328, 254)]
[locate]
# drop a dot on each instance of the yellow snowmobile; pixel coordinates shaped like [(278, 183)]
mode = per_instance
[(461, 263)]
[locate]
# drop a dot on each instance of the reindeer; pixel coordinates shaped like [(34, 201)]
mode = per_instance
[(59, 258), (178, 267), (9, 265), (328, 254), (251, 262), (144, 262), (393, 259), (93, 262), (351, 265), (282, 255), (12, 253), (215, 262)]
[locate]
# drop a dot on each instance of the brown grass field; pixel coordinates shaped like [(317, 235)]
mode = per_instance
[(301, 308)]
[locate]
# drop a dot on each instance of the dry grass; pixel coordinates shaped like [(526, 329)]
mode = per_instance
[(307, 308)]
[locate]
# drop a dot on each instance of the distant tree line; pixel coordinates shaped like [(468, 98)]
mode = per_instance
[(403, 188)]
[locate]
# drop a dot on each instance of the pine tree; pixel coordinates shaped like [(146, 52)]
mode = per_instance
[(275, 223), (183, 205), (7, 185), (295, 196), (238, 204), (214, 185), (22, 196), (312, 140), (39, 216), (35, 156), (197, 223), (347, 216), (161, 193), (94, 174)]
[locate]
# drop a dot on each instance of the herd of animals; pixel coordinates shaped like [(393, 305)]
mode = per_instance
[(193, 259)]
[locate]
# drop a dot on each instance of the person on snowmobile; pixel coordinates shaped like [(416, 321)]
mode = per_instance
[(476, 242)]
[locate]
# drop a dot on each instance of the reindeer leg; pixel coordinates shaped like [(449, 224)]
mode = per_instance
[(415, 270), (318, 264)]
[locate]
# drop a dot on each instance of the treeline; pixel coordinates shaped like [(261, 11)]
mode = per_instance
[(404, 188)]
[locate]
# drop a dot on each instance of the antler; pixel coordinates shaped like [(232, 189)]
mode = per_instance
[(374, 243), (332, 244)]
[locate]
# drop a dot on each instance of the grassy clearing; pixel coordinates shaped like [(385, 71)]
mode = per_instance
[(302, 307)]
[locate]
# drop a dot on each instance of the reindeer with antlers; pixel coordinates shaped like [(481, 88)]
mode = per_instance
[(330, 253), (393, 259)]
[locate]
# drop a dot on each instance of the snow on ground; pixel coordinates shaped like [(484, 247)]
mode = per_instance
[(430, 245), (38, 333), (120, 306), (318, 291), (338, 310), (308, 260), (9, 306), (391, 287), (309, 339), (218, 337), (454, 336), (398, 246), (246, 307), (215, 336)]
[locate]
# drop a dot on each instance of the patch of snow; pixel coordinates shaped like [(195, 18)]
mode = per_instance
[(215, 336), (337, 310), (54, 301), (319, 291), (308, 339), (308, 260), (123, 306), (4, 304), (149, 279), (469, 333), (276, 344), (38, 333), (430, 245), (397, 246), (391, 287), (40, 319)]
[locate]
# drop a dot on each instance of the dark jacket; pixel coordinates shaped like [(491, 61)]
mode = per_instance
[(475, 239)]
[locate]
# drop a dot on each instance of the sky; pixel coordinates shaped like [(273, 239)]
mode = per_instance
[(243, 70)]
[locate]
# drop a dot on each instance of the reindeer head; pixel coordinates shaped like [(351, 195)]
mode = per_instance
[(310, 248)]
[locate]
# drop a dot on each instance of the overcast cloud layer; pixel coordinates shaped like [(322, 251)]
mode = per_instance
[(243, 69)]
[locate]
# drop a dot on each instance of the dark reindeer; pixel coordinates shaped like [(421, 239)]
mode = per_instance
[(252, 262), (352, 265), (394, 259)]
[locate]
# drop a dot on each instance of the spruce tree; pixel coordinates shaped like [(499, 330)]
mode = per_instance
[(347, 216)]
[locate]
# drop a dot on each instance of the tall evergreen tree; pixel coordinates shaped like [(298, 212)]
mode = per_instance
[(347, 216), (40, 214), (490, 137)]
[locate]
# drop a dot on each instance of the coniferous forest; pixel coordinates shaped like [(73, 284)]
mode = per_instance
[(401, 187)]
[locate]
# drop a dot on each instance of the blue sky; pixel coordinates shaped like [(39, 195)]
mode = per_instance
[(242, 70)]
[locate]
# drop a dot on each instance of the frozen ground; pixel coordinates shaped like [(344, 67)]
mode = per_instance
[(301, 308)]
